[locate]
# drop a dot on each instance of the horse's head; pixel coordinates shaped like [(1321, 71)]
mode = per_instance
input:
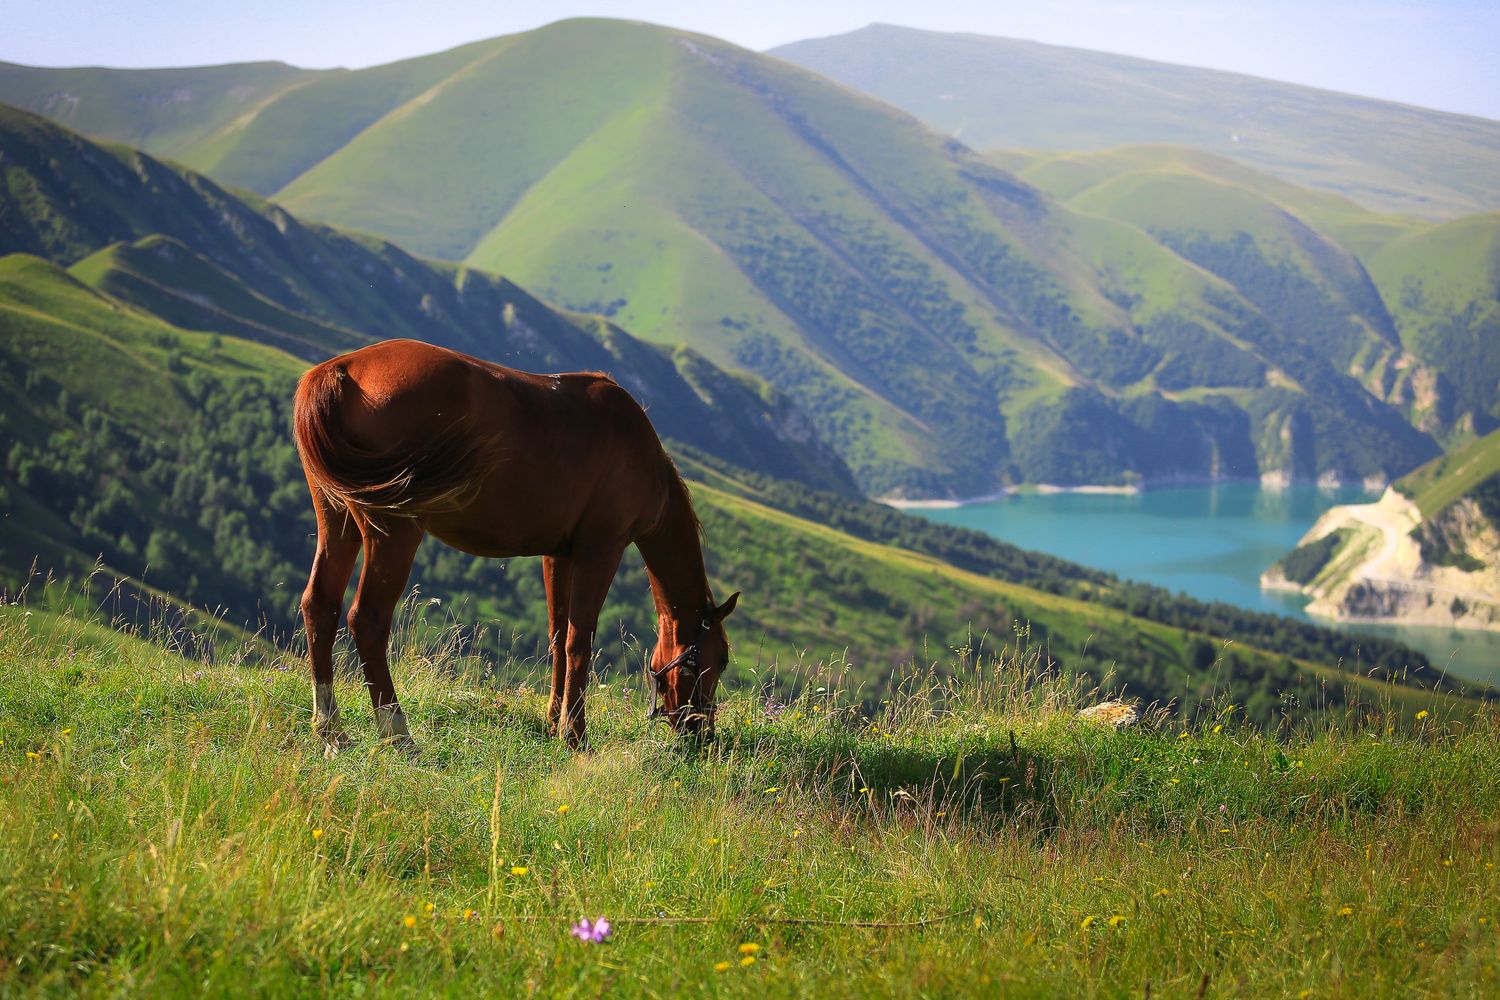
[(686, 672)]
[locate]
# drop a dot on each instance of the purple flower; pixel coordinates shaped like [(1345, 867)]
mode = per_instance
[(774, 708), (596, 932)]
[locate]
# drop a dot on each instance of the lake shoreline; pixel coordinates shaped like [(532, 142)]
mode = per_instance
[(1273, 483)]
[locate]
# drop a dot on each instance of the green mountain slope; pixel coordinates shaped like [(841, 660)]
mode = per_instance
[(1406, 307), (1026, 95), (946, 327), (179, 247), (178, 113)]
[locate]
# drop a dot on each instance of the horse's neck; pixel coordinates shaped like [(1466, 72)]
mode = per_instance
[(674, 561)]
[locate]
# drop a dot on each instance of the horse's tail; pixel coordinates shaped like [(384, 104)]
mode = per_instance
[(438, 475)]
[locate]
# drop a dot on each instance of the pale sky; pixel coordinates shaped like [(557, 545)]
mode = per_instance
[(1435, 53)]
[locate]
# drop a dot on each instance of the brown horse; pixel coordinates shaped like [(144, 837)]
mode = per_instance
[(402, 439)]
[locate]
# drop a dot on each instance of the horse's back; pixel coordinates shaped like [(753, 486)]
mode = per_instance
[(534, 459)]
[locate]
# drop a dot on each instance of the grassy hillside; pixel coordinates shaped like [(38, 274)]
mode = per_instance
[(1405, 306), (173, 829), (945, 326), (1443, 480), (1443, 286), (179, 113), (1026, 95)]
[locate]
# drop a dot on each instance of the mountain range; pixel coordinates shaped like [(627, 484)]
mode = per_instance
[(1012, 94), (946, 323)]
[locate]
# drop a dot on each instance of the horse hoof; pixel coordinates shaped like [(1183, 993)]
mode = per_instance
[(334, 740), (402, 744)]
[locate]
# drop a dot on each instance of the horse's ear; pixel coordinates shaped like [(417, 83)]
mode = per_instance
[(723, 610)]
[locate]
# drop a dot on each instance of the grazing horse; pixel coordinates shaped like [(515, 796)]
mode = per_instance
[(402, 439)]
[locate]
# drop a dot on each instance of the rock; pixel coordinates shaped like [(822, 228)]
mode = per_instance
[(1111, 713)]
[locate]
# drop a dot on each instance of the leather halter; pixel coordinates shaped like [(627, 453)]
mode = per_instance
[(687, 659)]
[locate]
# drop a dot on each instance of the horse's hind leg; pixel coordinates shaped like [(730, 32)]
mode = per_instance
[(557, 575), (389, 550), (333, 561)]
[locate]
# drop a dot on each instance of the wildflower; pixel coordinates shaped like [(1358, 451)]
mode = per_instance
[(1176, 781), (469, 914), (65, 732), (773, 789), (773, 708), (1086, 922), (409, 920), (721, 966), (749, 948), (33, 755), (429, 908), (1344, 911), (1422, 715), (748, 960), (712, 841), (317, 834), (56, 835), (1218, 729), (596, 932), (562, 810), (1162, 892), (1117, 920), (519, 870), (865, 790)]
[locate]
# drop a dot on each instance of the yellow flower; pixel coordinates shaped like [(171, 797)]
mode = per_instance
[(318, 833), (721, 966), (468, 914), (1162, 892), (1116, 920), (749, 948), (712, 841), (1422, 715), (430, 907), (773, 789), (1087, 922), (562, 810), (1344, 911), (409, 920), (519, 870), (1219, 728), (748, 960), (1176, 781), (33, 755), (67, 731)]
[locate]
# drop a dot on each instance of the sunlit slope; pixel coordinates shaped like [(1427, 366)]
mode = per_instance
[(176, 113), (1443, 286), (1000, 92), (1404, 305)]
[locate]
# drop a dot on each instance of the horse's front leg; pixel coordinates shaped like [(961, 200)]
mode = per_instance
[(557, 574), (592, 575)]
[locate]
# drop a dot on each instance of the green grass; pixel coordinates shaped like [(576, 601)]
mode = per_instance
[(171, 827), (1444, 480)]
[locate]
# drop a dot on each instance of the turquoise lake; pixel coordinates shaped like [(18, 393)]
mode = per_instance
[(1210, 542)]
